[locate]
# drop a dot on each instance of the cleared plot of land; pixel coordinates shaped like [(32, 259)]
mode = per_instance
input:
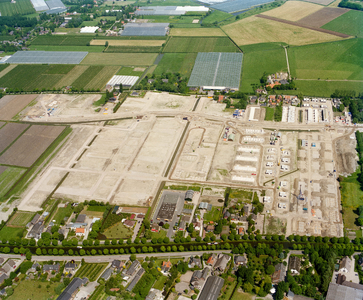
[(9, 133), (11, 105), (196, 32), (21, 218), (253, 30), (194, 44), (349, 23), (139, 43), (322, 16), (293, 10), (91, 271), (20, 7), (255, 63), (26, 150), (176, 63), (120, 59), (8, 178), (338, 60)]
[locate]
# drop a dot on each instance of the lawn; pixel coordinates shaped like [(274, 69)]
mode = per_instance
[(120, 59), (269, 116), (241, 195), (96, 208), (118, 231), (213, 215), (159, 284), (349, 218), (241, 296), (8, 178), (199, 44), (256, 62), (336, 60), (351, 194), (253, 30), (349, 23), (91, 271), (216, 16), (67, 48), (160, 234), (21, 218), (8, 233), (176, 63), (61, 213), (129, 71), (20, 7), (34, 289)]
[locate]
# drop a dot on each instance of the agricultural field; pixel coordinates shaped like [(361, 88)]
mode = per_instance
[(216, 16), (350, 23), (129, 43), (131, 71), (8, 233), (31, 144), (253, 30), (8, 178), (11, 105), (119, 59), (204, 32), (3, 67), (176, 63), (62, 40), (9, 133), (316, 61), (118, 231), (322, 88), (67, 48), (20, 7), (130, 49), (91, 271), (71, 76), (255, 63), (293, 10), (322, 16), (21, 218), (194, 44), (96, 208), (101, 78), (87, 76), (29, 289)]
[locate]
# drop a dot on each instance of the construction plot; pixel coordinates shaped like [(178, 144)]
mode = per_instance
[(46, 57), (217, 70)]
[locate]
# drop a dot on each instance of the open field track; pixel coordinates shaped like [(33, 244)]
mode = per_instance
[(254, 30), (322, 16), (100, 80), (342, 35), (204, 32), (293, 10), (139, 43), (71, 76)]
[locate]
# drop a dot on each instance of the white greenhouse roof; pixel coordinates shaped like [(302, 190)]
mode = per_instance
[(89, 29), (124, 80)]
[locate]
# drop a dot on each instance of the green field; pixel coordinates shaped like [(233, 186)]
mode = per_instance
[(91, 271), (62, 40), (21, 218), (160, 234), (241, 195), (8, 178), (61, 213), (349, 23), (159, 284), (213, 215), (97, 20), (118, 231), (324, 88), (241, 296), (129, 71), (8, 233), (67, 48), (335, 60), (20, 7), (30, 289), (200, 44), (256, 62), (120, 59), (351, 194), (83, 80), (131, 49), (216, 16), (96, 208), (176, 63), (269, 116)]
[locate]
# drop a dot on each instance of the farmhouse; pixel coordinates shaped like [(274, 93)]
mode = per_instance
[(51, 268), (136, 279), (198, 278), (80, 231), (294, 264)]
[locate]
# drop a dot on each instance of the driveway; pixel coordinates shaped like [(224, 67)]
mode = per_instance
[(86, 291)]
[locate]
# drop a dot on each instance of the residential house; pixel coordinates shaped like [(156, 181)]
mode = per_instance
[(240, 260), (8, 267), (136, 279), (129, 223), (80, 231), (72, 289), (107, 274), (222, 262), (34, 268), (3, 293), (35, 219), (209, 228), (1, 260), (117, 265), (51, 268), (261, 91), (3, 277), (294, 264), (36, 231), (194, 262), (241, 231), (212, 260), (166, 266), (279, 274), (345, 265), (135, 266), (155, 227), (70, 267), (198, 279)]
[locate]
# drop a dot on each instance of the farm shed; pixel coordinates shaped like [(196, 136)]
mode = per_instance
[(189, 195), (212, 288), (126, 81)]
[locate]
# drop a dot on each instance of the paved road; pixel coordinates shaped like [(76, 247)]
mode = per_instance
[(110, 258)]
